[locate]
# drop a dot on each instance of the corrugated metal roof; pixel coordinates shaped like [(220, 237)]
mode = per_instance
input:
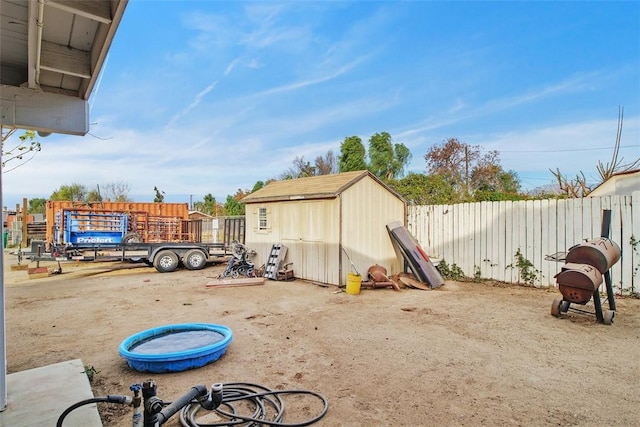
[(315, 187)]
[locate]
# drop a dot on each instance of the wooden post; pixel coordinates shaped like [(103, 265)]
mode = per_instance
[(24, 223)]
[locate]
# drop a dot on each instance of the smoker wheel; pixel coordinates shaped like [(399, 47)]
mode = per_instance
[(608, 316), (555, 307)]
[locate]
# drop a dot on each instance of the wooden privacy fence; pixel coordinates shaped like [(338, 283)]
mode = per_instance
[(508, 241)]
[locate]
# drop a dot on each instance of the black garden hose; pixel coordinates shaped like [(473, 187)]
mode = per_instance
[(123, 400), (268, 407)]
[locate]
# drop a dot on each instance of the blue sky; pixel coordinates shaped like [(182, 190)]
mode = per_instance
[(201, 97)]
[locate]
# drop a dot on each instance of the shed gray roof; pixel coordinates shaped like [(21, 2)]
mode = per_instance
[(315, 187)]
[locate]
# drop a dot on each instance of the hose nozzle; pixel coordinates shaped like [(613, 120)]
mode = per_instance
[(213, 398)]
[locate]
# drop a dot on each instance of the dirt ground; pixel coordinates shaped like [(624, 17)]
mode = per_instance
[(466, 354)]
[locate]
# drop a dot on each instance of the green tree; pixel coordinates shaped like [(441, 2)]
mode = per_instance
[(208, 206), (258, 185), (93, 196), (37, 205), (159, 197), (471, 172), (387, 160), (25, 150), (352, 155), (452, 160), (233, 206), (74, 192), (420, 189)]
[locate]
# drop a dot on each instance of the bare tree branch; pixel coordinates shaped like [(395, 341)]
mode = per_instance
[(616, 165)]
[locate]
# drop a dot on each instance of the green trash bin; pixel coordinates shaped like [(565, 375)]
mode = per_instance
[(4, 239)]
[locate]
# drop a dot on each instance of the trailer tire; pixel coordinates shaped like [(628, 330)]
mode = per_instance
[(131, 238), (166, 261), (195, 259)]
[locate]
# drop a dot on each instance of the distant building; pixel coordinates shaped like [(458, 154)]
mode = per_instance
[(620, 184)]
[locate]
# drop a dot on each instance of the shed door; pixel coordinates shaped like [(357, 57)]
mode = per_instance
[(303, 234)]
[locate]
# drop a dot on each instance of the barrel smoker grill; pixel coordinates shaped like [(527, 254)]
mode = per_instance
[(580, 278)]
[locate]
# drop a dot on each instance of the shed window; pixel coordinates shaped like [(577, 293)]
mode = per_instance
[(262, 218)]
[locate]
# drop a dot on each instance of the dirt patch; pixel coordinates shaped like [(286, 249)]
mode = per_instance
[(465, 354)]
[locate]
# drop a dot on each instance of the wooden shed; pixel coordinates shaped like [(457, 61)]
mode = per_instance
[(323, 221)]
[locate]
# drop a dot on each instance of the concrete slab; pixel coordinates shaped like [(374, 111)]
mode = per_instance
[(39, 396)]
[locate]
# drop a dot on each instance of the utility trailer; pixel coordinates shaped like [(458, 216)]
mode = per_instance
[(95, 235), (99, 235), (164, 257)]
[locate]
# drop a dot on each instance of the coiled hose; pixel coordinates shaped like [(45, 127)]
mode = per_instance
[(267, 405)]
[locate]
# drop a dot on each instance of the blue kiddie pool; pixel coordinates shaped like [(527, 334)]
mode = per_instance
[(175, 348)]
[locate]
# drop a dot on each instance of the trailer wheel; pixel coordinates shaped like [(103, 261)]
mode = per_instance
[(166, 261), (131, 238), (195, 259)]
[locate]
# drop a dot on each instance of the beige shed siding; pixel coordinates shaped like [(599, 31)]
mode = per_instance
[(309, 230), (312, 239), (261, 240), (366, 210)]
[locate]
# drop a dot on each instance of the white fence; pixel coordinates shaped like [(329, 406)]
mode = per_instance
[(483, 238)]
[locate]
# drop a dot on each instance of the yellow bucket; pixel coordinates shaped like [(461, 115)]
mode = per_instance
[(353, 283)]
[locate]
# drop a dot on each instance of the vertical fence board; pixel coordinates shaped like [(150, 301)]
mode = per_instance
[(501, 255), (466, 256), (456, 253), (436, 246), (527, 249), (484, 238), (634, 246), (508, 240), (547, 231), (596, 216), (626, 266), (578, 230), (516, 235), (616, 236), (495, 240), (448, 237), (590, 227), (561, 218), (477, 239), (536, 247)]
